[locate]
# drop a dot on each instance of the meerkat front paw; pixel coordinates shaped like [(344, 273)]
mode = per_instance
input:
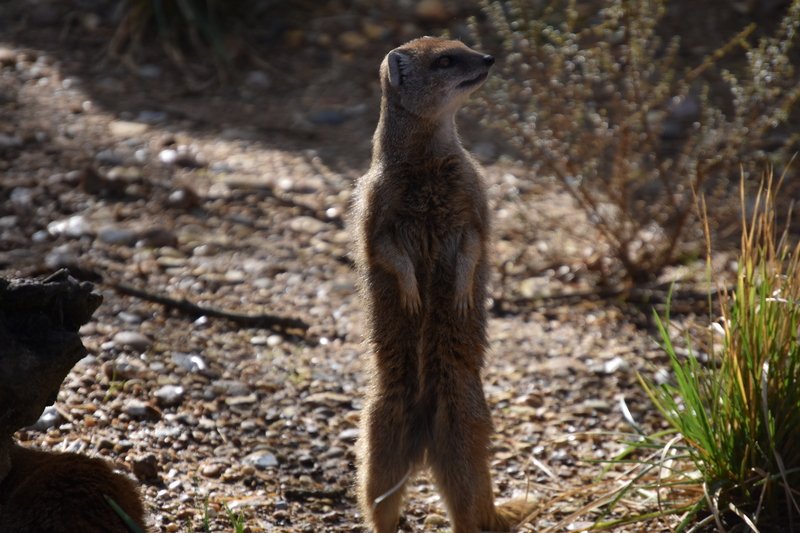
[(409, 296), (464, 302)]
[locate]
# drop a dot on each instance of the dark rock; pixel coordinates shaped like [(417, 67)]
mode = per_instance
[(146, 469), (39, 322)]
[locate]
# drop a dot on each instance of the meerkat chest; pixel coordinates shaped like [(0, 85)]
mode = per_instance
[(436, 196)]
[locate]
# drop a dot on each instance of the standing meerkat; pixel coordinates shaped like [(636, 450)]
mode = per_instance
[(422, 226)]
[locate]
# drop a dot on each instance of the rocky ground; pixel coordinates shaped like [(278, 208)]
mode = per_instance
[(236, 198)]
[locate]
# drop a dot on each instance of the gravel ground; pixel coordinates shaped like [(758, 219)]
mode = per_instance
[(237, 199)]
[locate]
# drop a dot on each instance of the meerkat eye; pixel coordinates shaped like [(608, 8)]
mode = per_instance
[(445, 61)]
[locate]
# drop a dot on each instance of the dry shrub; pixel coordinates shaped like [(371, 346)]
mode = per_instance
[(596, 101)]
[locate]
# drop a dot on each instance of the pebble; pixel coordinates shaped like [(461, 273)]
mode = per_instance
[(169, 395), (75, 227), (259, 340), (179, 158), (273, 341), (435, 520), (258, 79), (10, 141), (231, 387), (133, 340), (118, 236), (327, 399), (61, 257), (308, 225), (137, 409), (123, 368), (349, 435), (617, 364), (7, 56), (145, 468), (124, 129), (108, 157), (327, 117), (171, 262), (191, 362), (213, 470), (49, 418), (241, 400), (157, 238), (150, 71), (261, 460), (162, 433), (152, 117)]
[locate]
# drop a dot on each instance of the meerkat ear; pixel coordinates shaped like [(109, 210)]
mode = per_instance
[(398, 63)]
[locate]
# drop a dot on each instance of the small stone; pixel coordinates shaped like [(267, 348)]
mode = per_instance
[(171, 262), (152, 117), (117, 236), (49, 418), (328, 117), (435, 520), (177, 157), (212, 470), (169, 395), (10, 141), (7, 56), (328, 399), (617, 364), (273, 341), (123, 368), (124, 129), (308, 225), (150, 71), (261, 460), (349, 435), (145, 468), (235, 276), (183, 198), (259, 340), (75, 227), (162, 433), (157, 238), (597, 405), (140, 409), (168, 157), (241, 400), (191, 362), (133, 340), (108, 157), (230, 387), (258, 79)]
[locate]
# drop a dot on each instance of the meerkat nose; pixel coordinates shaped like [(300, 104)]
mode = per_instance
[(489, 60)]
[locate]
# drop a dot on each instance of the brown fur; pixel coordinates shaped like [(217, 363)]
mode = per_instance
[(63, 493), (422, 223)]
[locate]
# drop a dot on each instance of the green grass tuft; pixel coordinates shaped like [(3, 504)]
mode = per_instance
[(739, 414)]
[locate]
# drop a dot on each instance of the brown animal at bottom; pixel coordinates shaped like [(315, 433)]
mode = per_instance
[(422, 228), (64, 493)]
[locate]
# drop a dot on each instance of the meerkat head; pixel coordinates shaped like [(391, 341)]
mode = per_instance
[(432, 77)]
